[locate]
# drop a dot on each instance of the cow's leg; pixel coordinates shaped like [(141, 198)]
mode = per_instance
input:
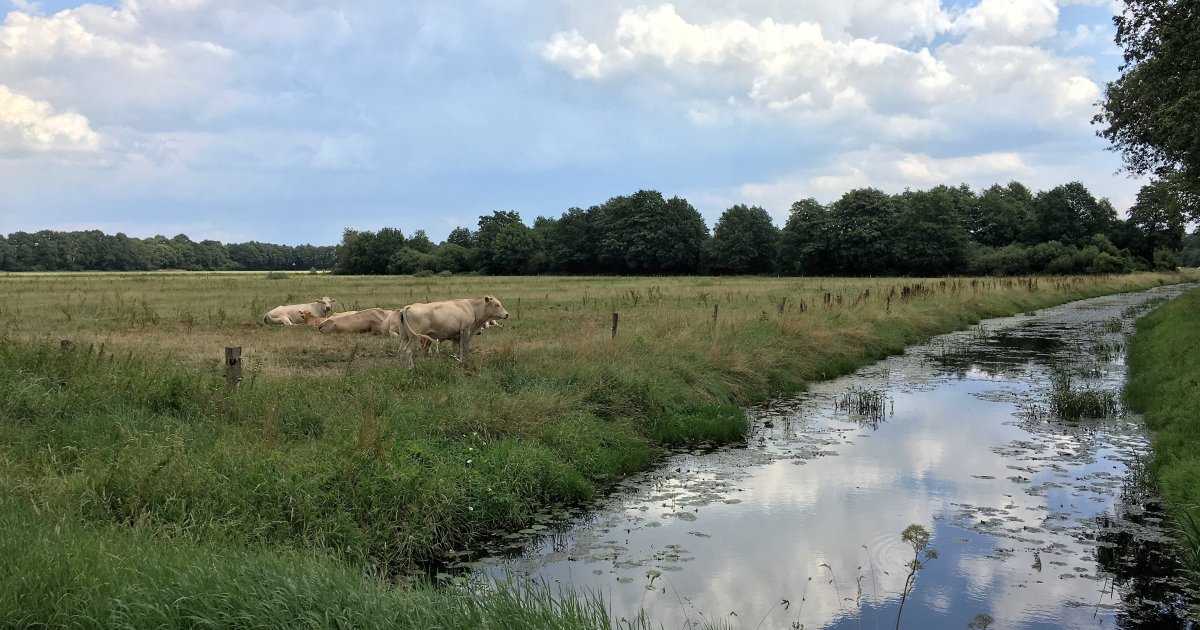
[(406, 358)]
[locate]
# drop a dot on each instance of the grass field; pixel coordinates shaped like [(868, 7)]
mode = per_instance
[(331, 456), (1164, 384)]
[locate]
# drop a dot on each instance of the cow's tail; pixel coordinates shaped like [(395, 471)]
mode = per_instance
[(408, 329)]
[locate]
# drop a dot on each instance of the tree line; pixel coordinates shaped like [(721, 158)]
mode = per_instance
[(1001, 230), (93, 250)]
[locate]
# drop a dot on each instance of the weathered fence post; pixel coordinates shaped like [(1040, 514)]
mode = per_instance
[(782, 303), (715, 307), (233, 365), (614, 330)]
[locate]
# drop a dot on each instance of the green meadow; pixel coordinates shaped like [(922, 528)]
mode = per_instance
[(1164, 385), (139, 489)]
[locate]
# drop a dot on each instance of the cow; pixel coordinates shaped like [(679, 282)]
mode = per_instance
[(314, 321), (429, 347), (450, 319), (370, 320), (289, 315)]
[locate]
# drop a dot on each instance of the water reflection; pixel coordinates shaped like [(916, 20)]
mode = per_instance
[(1032, 517)]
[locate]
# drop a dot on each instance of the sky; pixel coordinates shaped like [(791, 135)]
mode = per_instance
[(287, 121)]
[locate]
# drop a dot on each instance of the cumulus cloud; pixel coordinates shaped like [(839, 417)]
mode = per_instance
[(762, 101), (33, 125), (800, 72), (1008, 21)]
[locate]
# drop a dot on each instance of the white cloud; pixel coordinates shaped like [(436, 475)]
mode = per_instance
[(551, 103), (581, 58), (33, 125), (896, 21), (110, 65), (798, 72), (1008, 21)]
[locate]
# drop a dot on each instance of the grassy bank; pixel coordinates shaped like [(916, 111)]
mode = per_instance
[(1164, 385), (329, 453), (59, 574)]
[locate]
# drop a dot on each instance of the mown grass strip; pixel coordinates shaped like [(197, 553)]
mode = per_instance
[(1164, 385)]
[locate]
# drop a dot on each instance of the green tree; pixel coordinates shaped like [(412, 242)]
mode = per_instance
[(932, 240), (185, 252), (645, 234), (420, 242), (490, 228), (571, 244), (452, 257), (461, 236), (6, 255), (1151, 112), (409, 261), (1190, 256), (744, 241), (1070, 215), (804, 240), (355, 255), (516, 250), (1004, 215), (1157, 220), (863, 232), (161, 253), (388, 241)]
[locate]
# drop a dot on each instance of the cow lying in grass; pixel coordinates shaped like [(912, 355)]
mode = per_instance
[(314, 321), (370, 320), (289, 315)]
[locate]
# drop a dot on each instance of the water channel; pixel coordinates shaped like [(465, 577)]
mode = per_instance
[(1038, 522)]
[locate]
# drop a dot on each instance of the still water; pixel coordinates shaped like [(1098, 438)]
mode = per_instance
[(1037, 522)]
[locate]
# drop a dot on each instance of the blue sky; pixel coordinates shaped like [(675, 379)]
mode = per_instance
[(289, 120)]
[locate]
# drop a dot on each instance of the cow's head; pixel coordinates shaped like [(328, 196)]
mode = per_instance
[(493, 309), (326, 304)]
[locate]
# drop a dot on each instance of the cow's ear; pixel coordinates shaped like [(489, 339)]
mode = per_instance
[(487, 298)]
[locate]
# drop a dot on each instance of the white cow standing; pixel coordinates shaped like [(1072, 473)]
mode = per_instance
[(450, 319), (289, 315)]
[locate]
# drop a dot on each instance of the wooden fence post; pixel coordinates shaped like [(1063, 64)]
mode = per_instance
[(614, 330), (233, 365), (715, 307)]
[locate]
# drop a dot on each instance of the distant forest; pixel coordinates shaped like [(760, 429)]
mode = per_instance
[(1001, 230)]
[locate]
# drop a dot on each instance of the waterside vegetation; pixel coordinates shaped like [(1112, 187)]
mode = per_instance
[(1164, 385), (331, 469)]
